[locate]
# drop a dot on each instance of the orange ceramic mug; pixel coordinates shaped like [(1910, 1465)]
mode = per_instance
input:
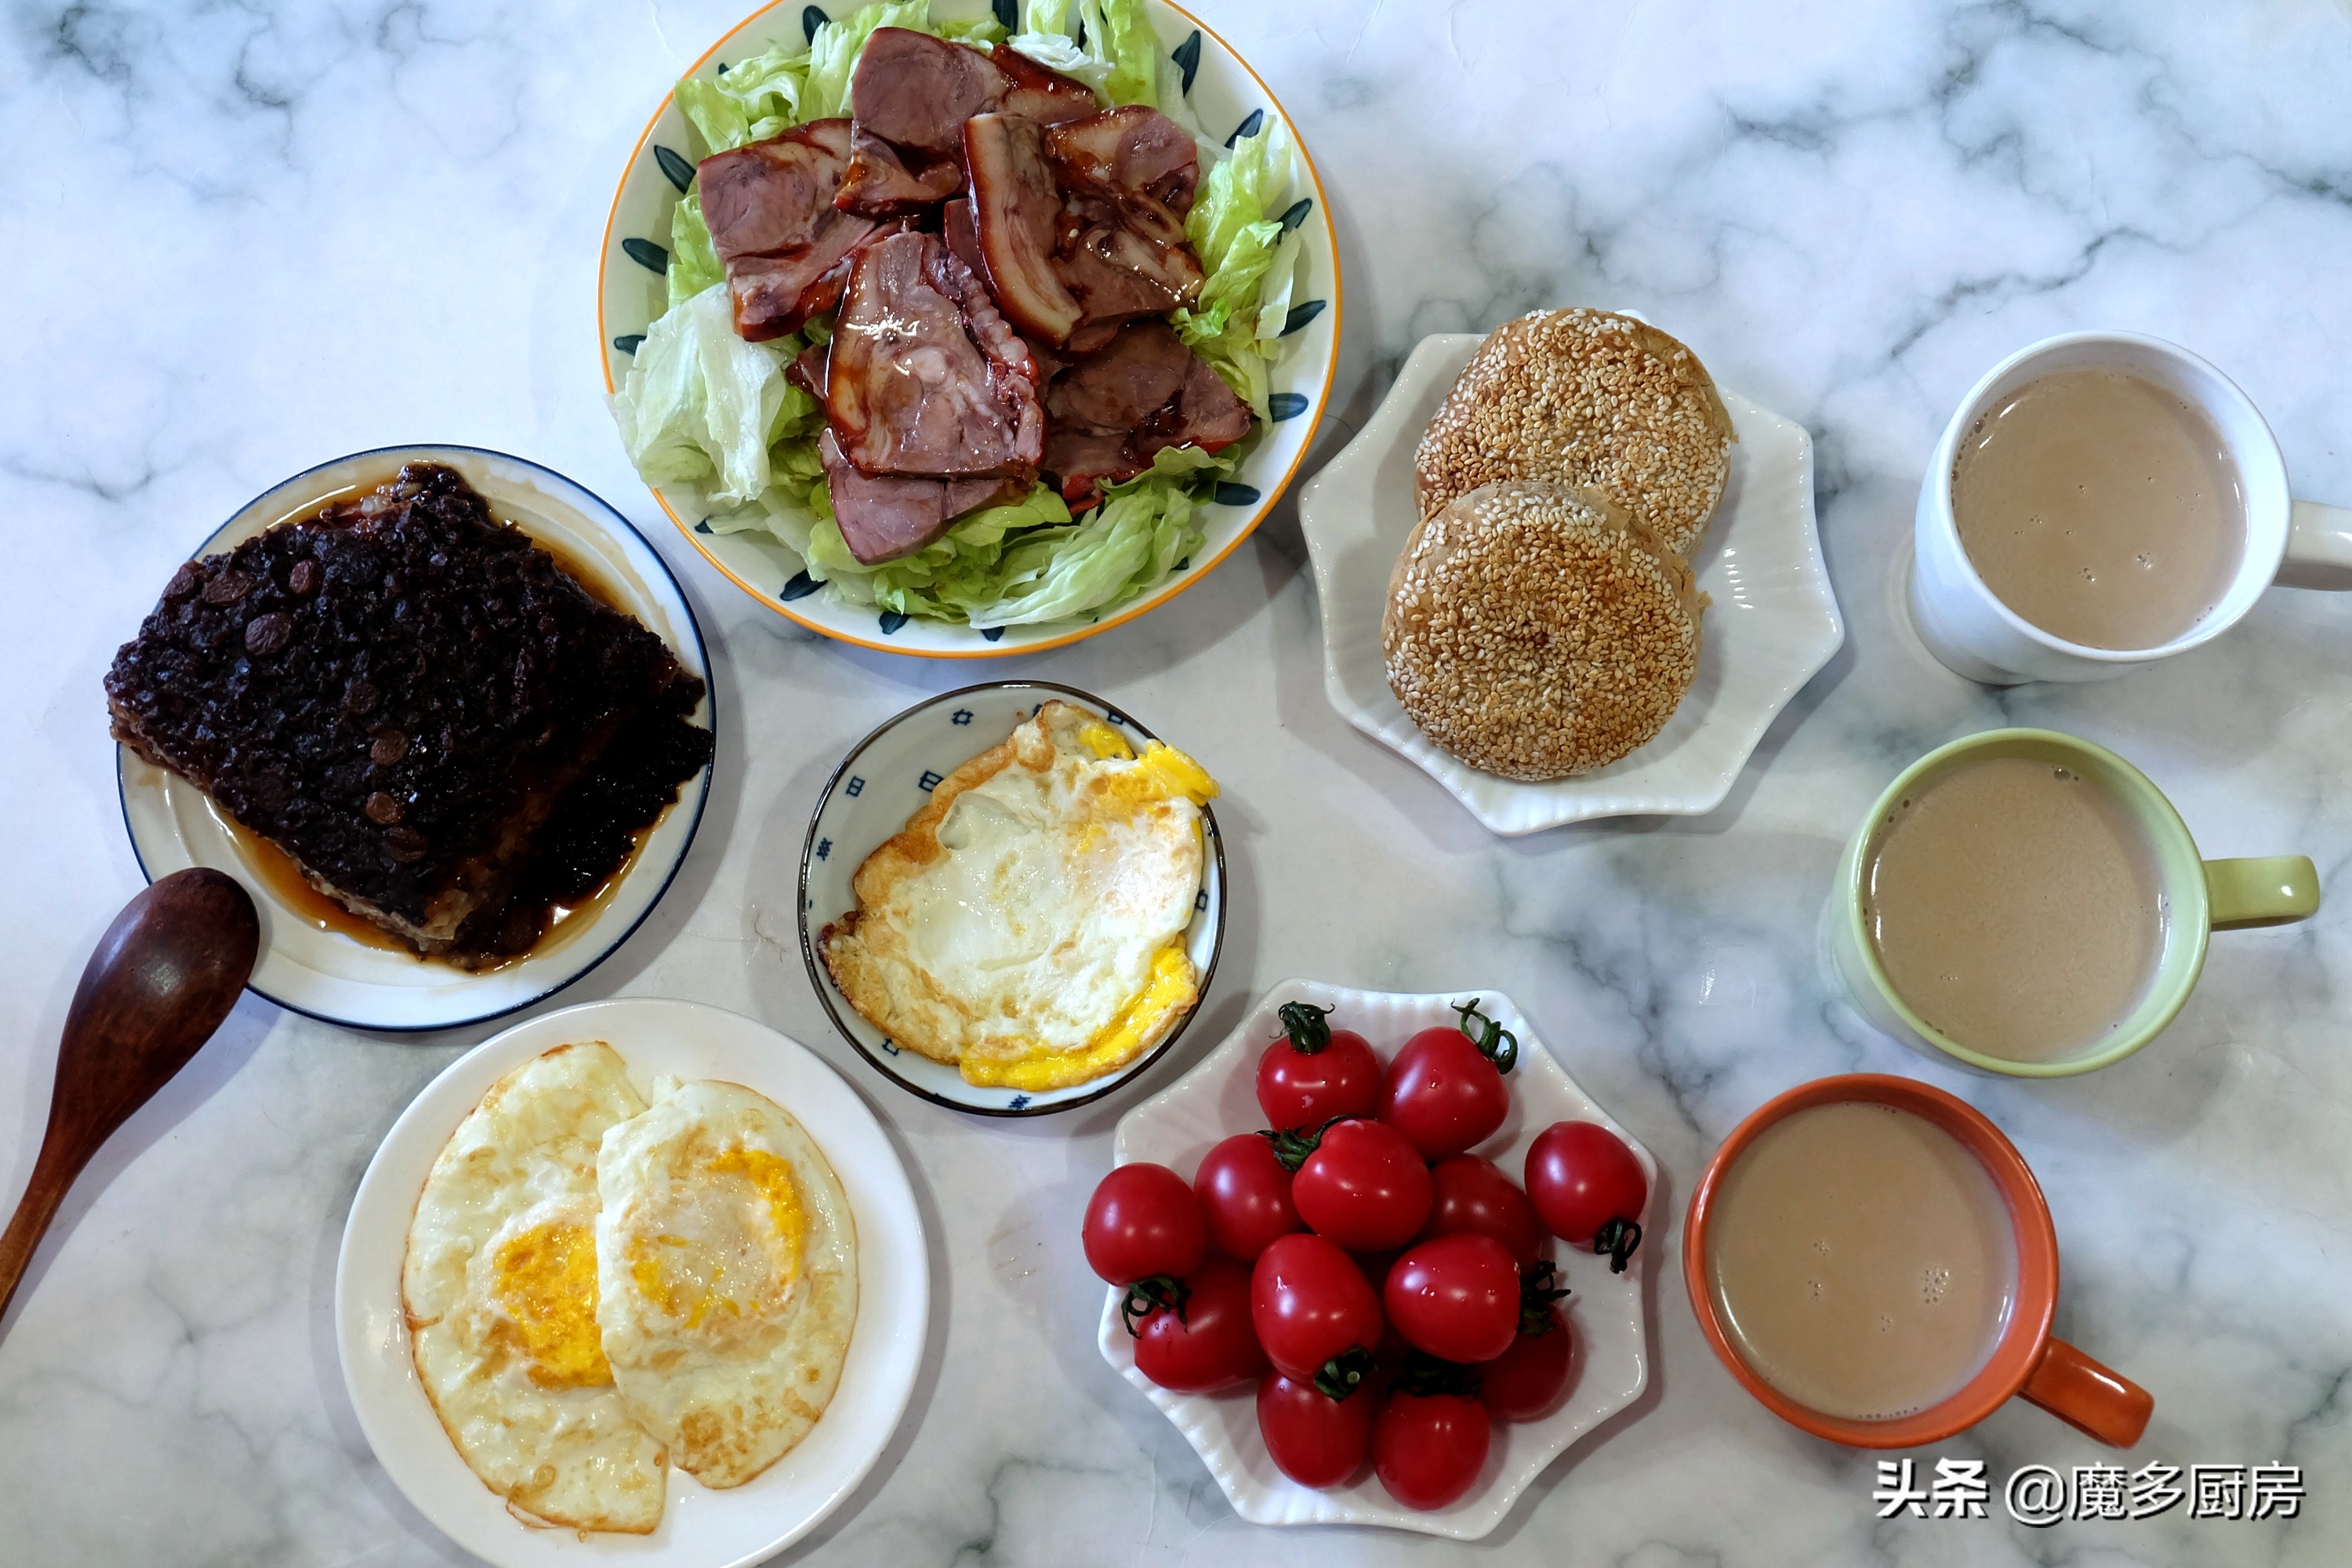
[(2026, 1359)]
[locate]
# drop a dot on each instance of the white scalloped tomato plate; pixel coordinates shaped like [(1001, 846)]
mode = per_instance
[(1225, 98), (1773, 623), (1219, 1098)]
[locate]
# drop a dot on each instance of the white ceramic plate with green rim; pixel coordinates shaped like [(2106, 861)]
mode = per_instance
[(886, 778), (319, 969), (1226, 99), (1774, 621), (1611, 1363)]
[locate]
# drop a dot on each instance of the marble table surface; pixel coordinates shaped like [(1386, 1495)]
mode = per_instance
[(243, 238)]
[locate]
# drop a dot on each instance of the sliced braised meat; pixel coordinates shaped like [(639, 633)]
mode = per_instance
[(1127, 178), (1017, 213), (1040, 93), (884, 518), (910, 94), (1130, 152), (1109, 413), (925, 376), (807, 371), (957, 229), (769, 207)]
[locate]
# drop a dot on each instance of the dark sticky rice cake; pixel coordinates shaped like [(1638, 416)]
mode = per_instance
[(444, 731)]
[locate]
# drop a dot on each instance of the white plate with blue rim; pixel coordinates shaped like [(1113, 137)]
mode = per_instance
[(328, 967), (886, 778), (1226, 99)]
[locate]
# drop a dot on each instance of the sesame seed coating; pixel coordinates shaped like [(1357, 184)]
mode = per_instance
[(1587, 398), (1538, 631)]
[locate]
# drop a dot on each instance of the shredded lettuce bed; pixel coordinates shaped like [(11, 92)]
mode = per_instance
[(702, 409)]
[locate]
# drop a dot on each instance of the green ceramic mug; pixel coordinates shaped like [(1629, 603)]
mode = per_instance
[(2200, 895)]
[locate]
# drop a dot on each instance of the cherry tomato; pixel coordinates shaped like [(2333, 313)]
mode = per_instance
[(1428, 1448), (1313, 1312), (1316, 1072), (1589, 1188), (1245, 1194), (1314, 1439), (1445, 1091), (1143, 1220), (1527, 1380), (1456, 1297), (1205, 1345), (1469, 1195), (1359, 1182)]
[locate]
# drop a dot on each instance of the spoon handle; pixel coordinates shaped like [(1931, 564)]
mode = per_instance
[(52, 1177)]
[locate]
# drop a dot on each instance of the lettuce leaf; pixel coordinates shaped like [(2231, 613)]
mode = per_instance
[(833, 53), (1235, 229), (694, 263), (699, 405), (752, 100)]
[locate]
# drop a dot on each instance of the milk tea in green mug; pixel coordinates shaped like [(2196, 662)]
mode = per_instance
[(2025, 902)]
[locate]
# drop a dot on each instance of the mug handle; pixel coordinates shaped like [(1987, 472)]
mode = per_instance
[(2088, 1397), (2264, 890), (2318, 547)]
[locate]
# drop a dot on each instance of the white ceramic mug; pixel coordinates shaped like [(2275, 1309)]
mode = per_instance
[(2294, 542)]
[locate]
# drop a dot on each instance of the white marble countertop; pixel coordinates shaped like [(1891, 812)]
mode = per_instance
[(245, 238)]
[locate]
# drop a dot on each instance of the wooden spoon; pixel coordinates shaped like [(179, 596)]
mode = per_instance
[(164, 975)]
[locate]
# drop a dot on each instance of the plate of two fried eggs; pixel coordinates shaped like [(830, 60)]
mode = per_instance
[(1011, 897), (640, 1279)]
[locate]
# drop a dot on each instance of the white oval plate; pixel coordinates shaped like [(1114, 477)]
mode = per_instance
[(699, 1528), (1219, 1098), (1773, 623), (1225, 96), (328, 974), (885, 780)]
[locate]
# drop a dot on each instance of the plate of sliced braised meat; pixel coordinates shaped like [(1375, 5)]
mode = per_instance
[(957, 330), (444, 714)]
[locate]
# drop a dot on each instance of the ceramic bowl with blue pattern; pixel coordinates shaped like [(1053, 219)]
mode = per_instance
[(888, 777), (1226, 99)]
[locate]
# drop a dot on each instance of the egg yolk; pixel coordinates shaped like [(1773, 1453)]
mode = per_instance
[(724, 1266), (1171, 989), (1178, 773), (546, 1280)]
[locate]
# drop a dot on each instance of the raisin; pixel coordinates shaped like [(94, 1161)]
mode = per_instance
[(403, 845), (265, 634), (383, 809), (303, 581), (184, 582), (226, 587), (390, 746), (360, 697)]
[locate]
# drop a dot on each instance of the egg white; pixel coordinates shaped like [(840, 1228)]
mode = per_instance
[(499, 1284), (727, 1260), (1027, 924)]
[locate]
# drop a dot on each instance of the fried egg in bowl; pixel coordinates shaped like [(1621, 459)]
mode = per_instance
[(1027, 925)]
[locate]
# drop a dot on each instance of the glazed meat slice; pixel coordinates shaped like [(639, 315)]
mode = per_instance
[(909, 97), (1016, 216), (957, 227), (1110, 413), (1128, 177), (925, 378), (885, 517), (771, 210), (435, 722)]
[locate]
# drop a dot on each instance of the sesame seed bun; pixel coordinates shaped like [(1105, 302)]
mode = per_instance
[(1585, 397), (1538, 631)]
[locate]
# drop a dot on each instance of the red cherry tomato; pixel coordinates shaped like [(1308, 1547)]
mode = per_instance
[(1206, 1344), (1589, 1188), (1143, 1220), (1456, 1297), (1313, 1312), (1316, 1072), (1362, 1184), (1314, 1439), (1428, 1448), (1527, 1381), (1471, 1196), (1245, 1194), (1445, 1091)]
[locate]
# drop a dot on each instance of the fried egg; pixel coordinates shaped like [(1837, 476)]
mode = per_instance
[(728, 1261), (1028, 924), (499, 1284)]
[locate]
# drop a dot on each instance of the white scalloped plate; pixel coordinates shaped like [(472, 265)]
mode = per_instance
[(1224, 96), (1773, 624), (1218, 1099)]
